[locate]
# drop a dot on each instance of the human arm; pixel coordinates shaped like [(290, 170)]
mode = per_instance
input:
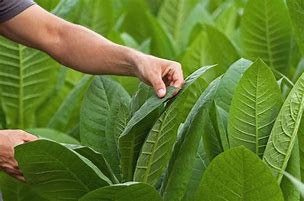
[(86, 51)]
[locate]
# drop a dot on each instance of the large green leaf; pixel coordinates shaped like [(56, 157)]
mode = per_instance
[(266, 33), (296, 12), (52, 135), (13, 190), (185, 150), (67, 114), (255, 105), (134, 135), (157, 148), (204, 50), (57, 172), (237, 175), (130, 191), (223, 99), (173, 16), (104, 115), (229, 82), (24, 75), (285, 129)]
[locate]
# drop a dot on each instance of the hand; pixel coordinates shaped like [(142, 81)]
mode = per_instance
[(159, 73), (8, 140)]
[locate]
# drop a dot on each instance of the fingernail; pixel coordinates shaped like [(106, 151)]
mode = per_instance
[(161, 92)]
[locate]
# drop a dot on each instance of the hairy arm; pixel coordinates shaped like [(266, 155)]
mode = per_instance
[(88, 52)]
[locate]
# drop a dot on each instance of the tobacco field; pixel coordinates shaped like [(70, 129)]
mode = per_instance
[(235, 132)]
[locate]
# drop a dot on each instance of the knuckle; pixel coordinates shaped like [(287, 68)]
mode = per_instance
[(21, 132), (177, 65)]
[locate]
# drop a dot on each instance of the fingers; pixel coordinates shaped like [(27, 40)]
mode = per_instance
[(159, 72), (159, 86), (8, 140), (29, 137), (172, 74), (13, 171), (177, 77), (26, 137)]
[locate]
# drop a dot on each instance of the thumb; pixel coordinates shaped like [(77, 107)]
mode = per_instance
[(159, 86)]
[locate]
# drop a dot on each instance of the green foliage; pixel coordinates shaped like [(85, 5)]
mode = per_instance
[(132, 138), (184, 153), (296, 11), (103, 118), (57, 172), (24, 73), (96, 15), (131, 191), (47, 4), (298, 184), (293, 167), (229, 82), (173, 16), (172, 143), (156, 150), (266, 33), (17, 190), (244, 177), (204, 50), (255, 105), (67, 115), (52, 135), (96, 158), (284, 131)]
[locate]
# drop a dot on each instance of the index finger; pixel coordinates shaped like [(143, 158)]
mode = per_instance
[(29, 137)]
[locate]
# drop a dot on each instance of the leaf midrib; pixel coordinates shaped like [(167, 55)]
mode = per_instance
[(256, 116), (21, 92), (155, 145), (269, 51)]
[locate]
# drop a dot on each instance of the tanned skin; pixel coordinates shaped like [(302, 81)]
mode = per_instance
[(85, 51)]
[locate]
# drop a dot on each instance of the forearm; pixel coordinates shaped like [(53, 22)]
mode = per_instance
[(72, 45), (86, 51)]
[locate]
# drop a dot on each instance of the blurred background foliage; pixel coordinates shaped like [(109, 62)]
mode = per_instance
[(193, 32)]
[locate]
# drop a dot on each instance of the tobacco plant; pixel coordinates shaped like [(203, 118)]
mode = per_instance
[(233, 132)]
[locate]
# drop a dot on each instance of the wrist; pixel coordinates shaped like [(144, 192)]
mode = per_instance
[(135, 60)]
